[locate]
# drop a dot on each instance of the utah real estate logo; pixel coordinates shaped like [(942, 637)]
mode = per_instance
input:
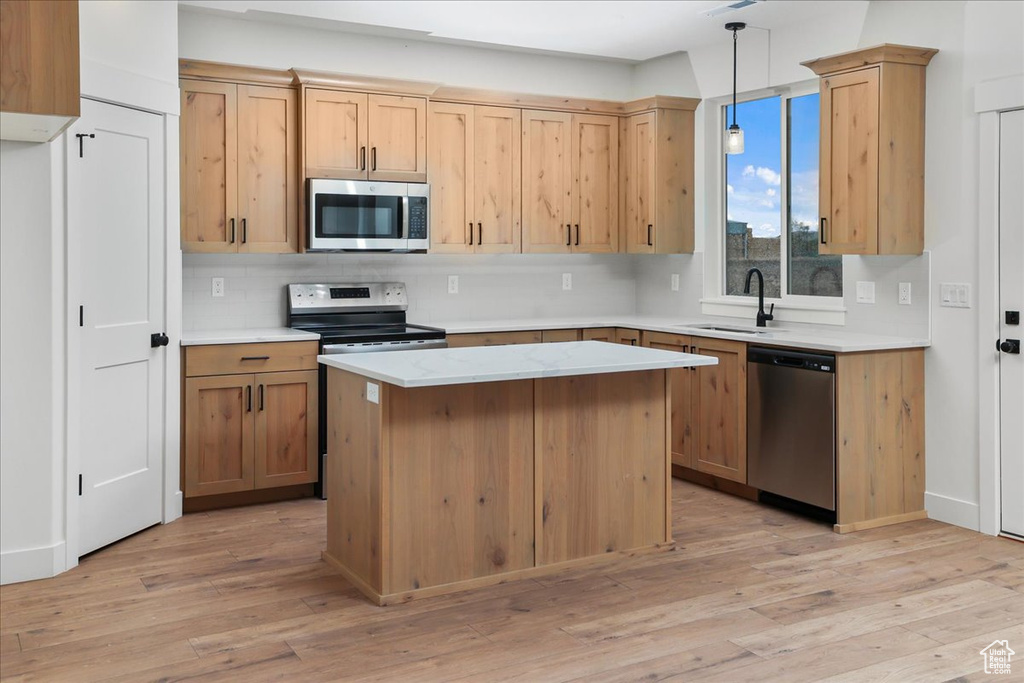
[(997, 657)]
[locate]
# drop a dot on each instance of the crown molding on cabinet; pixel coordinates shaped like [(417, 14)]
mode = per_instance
[(234, 73), (368, 84), (856, 59)]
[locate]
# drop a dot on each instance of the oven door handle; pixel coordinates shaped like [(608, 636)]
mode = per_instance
[(342, 349)]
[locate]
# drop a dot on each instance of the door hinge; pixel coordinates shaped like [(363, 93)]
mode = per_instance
[(79, 484), (81, 316)]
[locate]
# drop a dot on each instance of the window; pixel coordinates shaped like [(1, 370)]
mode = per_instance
[(771, 202)]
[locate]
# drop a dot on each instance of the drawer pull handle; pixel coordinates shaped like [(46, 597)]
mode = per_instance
[(255, 357)]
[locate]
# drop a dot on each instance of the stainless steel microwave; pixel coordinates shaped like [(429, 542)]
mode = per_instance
[(360, 215)]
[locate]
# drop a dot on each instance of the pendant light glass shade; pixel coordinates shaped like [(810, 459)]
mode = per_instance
[(734, 140)]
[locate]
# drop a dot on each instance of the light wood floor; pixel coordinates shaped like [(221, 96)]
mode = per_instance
[(750, 594)]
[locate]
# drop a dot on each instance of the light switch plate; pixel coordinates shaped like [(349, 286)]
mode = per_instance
[(453, 284), (865, 292), (566, 281), (217, 286), (372, 392), (675, 282), (955, 294), (904, 296)]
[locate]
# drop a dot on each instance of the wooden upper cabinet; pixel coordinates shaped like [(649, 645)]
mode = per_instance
[(595, 172), (658, 177), (719, 409), (397, 136), (39, 68), (474, 162), (497, 183), (209, 166), (268, 172), (871, 195), (219, 433), (286, 428), (335, 134), (547, 182), (239, 172)]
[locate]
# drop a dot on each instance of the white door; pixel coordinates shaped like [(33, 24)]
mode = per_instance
[(1011, 298), (116, 238)]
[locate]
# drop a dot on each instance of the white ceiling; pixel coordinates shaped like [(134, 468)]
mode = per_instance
[(636, 30)]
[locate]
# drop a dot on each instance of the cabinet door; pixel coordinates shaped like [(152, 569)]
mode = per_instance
[(595, 173), (218, 434), (547, 182), (497, 196), (267, 170), (336, 130), (849, 163), (720, 410), (682, 396), (286, 428), (450, 160), (627, 337), (398, 138), (641, 160), (209, 167), (605, 334)]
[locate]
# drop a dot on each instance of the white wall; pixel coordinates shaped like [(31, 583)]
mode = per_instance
[(129, 55)]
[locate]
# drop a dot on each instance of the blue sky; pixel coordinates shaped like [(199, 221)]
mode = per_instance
[(754, 177)]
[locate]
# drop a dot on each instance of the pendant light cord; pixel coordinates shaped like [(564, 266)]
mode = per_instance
[(734, 77)]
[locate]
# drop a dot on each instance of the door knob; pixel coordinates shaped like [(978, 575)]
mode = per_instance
[(158, 339), (1009, 346)]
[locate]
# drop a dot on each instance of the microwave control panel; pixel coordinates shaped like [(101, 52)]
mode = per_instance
[(417, 218)]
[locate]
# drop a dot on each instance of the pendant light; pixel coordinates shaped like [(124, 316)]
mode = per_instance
[(734, 134)]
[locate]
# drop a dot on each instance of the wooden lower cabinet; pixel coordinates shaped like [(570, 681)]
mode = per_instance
[(628, 337), (249, 430), (614, 335), (682, 440), (494, 338), (560, 335)]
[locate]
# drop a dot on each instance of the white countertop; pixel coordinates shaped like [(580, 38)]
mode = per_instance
[(438, 367), (819, 338), (251, 336)]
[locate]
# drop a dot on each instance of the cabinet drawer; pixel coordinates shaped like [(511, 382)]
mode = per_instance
[(494, 338), (232, 359)]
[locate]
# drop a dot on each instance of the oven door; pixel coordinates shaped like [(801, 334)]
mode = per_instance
[(353, 215)]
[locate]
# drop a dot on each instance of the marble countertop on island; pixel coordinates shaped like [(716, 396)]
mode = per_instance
[(439, 367), (246, 336)]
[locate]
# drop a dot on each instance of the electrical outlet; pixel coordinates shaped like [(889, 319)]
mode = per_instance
[(217, 286), (904, 299), (865, 292), (372, 392), (453, 284), (675, 282), (566, 281), (955, 295)]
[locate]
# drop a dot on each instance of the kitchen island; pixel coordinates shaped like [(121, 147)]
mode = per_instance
[(454, 468)]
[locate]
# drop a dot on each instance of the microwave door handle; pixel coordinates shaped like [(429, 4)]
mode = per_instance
[(403, 226)]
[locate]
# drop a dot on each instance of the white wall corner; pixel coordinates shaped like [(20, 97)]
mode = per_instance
[(32, 563), (952, 511)]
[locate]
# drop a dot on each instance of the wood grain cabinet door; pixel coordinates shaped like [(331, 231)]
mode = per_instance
[(218, 434), (335, 134), (683, 434), (849, 163), (450, 155), (595, 176), (268, 197), (285, 405), (640, 178), (547, 182), (604, 334), (209, 167), (497, 191), (720, 410), (397, 136), (627, 337)]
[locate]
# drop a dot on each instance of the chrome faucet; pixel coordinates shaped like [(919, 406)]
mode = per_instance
[(762, 317)]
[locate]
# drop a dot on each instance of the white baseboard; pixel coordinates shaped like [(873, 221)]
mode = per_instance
[(952, 511), (174, 507), (32, 564)]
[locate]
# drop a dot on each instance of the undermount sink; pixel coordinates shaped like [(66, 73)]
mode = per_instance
[(726, 328)]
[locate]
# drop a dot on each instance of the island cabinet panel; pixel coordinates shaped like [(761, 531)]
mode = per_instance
[(719, 406), (879, 438), (601, 459), (461, 462)]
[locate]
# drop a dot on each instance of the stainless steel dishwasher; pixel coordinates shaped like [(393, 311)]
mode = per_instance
[(791, 448)]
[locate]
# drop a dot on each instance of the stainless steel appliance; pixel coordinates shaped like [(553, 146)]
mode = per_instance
[(359, 215), (365, 317), (791, 425)]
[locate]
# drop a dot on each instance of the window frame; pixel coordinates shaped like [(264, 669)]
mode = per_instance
[(828, 310)]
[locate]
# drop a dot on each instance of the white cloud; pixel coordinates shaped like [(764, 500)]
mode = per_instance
[(768, 175), (748, 171), (766, 230), (729, 189), (770, 191)]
